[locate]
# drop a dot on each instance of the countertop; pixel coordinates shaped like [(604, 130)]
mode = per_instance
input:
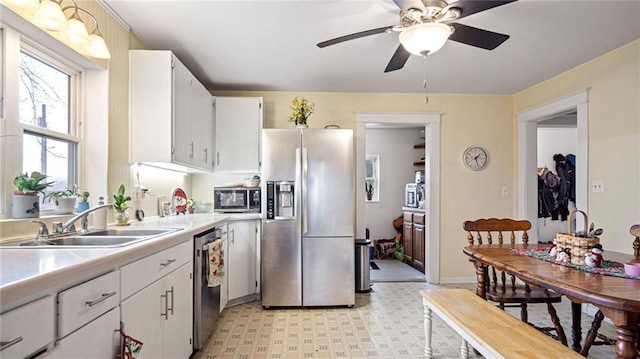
[(413, 209), (28, 273)]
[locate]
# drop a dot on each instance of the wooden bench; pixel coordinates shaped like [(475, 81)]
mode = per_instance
[(492, 332)]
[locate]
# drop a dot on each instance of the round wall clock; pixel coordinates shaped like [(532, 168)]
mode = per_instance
[(475, 158)]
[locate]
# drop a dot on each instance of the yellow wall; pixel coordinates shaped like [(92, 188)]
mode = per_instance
[(467, 120), (614, 136)]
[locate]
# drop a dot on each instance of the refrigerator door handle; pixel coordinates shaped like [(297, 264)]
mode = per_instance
[(305, 177), (297, 190)]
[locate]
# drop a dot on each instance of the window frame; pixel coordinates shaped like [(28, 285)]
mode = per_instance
[(13, 43)]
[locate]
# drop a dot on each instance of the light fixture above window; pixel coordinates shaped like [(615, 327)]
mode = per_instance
[(425, 38), (51, 16)]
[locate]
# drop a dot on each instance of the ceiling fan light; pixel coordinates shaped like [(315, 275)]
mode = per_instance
[(50, 16), (425, 38)]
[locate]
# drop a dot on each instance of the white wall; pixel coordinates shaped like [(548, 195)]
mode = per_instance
[(553, 140), (395, 148)]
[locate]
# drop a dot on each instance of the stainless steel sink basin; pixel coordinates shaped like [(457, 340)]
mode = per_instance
[(93, 241), (113, 237), (117, 232)]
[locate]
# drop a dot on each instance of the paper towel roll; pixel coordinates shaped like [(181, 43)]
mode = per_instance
[(100, 219)]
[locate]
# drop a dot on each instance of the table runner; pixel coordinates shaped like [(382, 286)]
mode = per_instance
[(611, 268)]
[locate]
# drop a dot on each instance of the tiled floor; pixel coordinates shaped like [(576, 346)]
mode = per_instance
[(386, 323)]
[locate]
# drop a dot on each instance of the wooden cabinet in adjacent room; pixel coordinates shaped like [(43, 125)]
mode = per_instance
[(413, 239)]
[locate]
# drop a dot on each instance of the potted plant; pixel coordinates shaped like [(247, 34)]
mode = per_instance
[(120, 205), (25, 202), (300, 111), (368, 187), (83, 205), (191, 205), (64, 200)]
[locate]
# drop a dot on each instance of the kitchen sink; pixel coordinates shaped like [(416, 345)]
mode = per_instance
[(92, 241), (109, 238), (118, 232)]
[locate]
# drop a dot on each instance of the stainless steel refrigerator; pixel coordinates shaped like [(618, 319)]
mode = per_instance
[(308, 214)]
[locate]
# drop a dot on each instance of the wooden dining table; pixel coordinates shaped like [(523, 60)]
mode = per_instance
[(617, 298)]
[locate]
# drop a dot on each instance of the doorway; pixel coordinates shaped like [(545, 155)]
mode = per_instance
[(528, 121), (431, 123)]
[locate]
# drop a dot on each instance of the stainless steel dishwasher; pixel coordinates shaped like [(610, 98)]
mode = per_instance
[(206, 299)]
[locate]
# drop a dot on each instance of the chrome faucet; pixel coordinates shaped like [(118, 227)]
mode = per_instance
[(69, 227)]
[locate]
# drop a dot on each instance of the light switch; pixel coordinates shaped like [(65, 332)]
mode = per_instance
[(597, 186)]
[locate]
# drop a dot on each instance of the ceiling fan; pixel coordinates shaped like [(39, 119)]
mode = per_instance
[(425, 25)]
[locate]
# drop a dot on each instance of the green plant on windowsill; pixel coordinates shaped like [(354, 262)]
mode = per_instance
[(33, 183), (67, 192), (120, 200)]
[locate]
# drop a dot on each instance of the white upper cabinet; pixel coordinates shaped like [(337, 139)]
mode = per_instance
[(171, 113), (238, 130)]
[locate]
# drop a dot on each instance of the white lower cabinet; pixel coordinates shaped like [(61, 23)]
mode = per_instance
[(100, 339), (161, 315), (89, 319), (27, 329), (242, 260)]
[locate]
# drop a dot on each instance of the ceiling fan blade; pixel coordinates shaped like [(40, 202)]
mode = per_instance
[(473, 36), (405, 5), (353, 36), (398, 59), (470, 7)]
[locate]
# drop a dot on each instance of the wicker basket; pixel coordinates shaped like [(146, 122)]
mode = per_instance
[(578, 246)]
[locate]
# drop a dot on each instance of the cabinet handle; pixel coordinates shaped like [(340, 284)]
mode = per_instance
[(167, 262), (102, 298), (206, 155), (170, 309), (166, 305), (191, 151), (5, 345), (233, 236)]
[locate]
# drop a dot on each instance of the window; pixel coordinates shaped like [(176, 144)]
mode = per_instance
[(46, 94), (372, 181)]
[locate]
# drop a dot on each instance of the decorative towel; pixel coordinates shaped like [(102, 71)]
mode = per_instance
[(611, 268), (216, 263), (130, 347)]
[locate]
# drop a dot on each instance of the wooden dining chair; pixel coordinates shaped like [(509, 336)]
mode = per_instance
[(503, 288)]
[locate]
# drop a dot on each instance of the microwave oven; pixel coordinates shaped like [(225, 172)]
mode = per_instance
[(236, 199)]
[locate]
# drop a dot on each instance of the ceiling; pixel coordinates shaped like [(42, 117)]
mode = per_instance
[(267, 45)]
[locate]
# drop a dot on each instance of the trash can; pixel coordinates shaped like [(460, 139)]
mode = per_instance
[(363, 267)]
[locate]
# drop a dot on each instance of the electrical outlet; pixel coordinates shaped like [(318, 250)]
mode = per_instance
[(505, 191), (597, 186)]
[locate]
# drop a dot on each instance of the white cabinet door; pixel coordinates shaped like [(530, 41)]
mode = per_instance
[(183, 142), (178, 325), (242, 258), (202, 126), (238, 127), (100, 339), (161, 316), (142, 321), (169, 126)]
